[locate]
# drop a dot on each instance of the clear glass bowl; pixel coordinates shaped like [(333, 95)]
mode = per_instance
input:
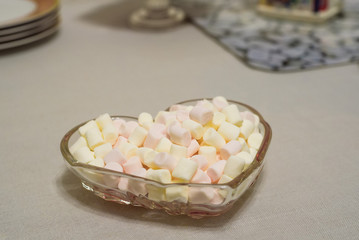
[(99, 180)]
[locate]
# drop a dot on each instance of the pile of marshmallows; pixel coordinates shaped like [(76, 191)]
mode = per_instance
[(211, 142)]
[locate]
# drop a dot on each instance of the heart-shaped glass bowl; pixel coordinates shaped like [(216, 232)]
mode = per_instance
[(92, 178)]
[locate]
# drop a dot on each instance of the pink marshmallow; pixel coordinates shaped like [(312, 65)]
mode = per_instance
[(192, 148), (110, 180), (123, 184), (179, 135), (201, 161), (246, 115), (219, 104), (182, 115), (118, 123), (201, 114), (135, 186), (217, 199), (114, 156), (155, 133), (159, 128), (231, 148), (216, 170), (200, 195), (165, 117), (132, 165), (119, 140), (177, 107), (165, 160), (126, 129), (200, 177)]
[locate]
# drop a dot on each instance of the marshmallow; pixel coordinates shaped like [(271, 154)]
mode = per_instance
[(246, 128), (83, 155), (182, 115), (192, 148), (114, 156), (135, 186), (149, 158), (103, 120), (130, 127), (256, 121), (229, 131), (201, 114), (165, 117), (178, 151), (220, 102), (157, 194), (218, 119), (195, 128), (232, 114), (255, 140), (234, 166), (253, 152), (224, 179), (118, 123), (245, 147), (128, 149), (102, 150), (110, 133), (215, 171), (81, 142), (218, 198), (138, 136), (200, 177), (213, 138), (155, 133), (142, 151), (90, 124), (248, 159), (145, 120), (209, 153), (165, 161), (109, 179), (177, 107), (94, 138), (132, 165), (246, 115), (185, 169), (98, 162), (160, 175), (201, 161), (164, 145), (123, 184), (178, 193), (179, 135), (119, 140), (231, 148), (198, 195), (207, 104)]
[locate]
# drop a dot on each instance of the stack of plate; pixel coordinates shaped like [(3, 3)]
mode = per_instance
[(27, 21)]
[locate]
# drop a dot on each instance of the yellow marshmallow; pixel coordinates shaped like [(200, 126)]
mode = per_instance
[(195, 128), (138, 136), (229, 131)]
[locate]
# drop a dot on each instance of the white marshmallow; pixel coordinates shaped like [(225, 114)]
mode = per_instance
[(255, 140), (103, 120), (178, 194), (83, 155), (157, 194), (185, 169), (128, 149), (80, 142), (94, 138), (182, 115), (200, 195), (213, 138), (248, 159), (215, 171), (110, 133), (192, 148), (220, 102), (231, 148), (209, 153), (165, 161), (232, 114), (142, 151), (253, 152), (256, 121), (145, 120), (224, 179), (115, 156), (164, 145), (102, 150), (90, 124), (118, 123), (195, 128), (218, 119), (246, 115), (98, 162), (178, 151), (138, 136), (149, 159), (246, 128), (160, 175), (245, 147), (165, 117), (229, 131), (234, 166), (201, 114), (207, 104), (179, 135), (201, 161)]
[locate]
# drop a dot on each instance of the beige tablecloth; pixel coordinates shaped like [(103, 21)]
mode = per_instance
[(309, 188)]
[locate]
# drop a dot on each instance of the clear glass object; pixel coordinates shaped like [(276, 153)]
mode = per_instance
[(150, 194), (157, 14)]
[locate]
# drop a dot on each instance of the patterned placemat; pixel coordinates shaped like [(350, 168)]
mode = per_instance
[(276, 45)]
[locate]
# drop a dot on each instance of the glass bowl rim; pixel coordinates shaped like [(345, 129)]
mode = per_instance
[(257, 161)]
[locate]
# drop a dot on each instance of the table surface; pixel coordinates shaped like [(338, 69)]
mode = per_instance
[(307, 190)]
